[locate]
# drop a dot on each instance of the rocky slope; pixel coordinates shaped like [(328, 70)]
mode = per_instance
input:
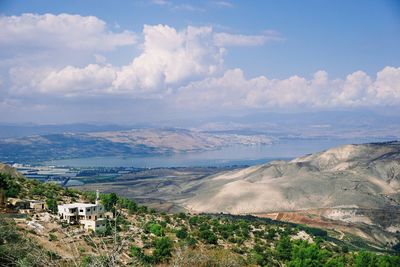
[(353, 188), (360, 176)]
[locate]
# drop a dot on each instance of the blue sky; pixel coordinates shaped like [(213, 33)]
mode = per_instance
[(337, 36), (279, 54)]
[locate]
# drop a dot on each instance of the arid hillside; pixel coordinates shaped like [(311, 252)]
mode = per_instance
[(355, 184), (365, 176)]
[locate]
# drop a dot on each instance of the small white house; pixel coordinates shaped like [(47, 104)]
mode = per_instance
[(91, 216)]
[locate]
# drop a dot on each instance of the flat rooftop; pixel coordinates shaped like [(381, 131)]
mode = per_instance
[(78, 205)]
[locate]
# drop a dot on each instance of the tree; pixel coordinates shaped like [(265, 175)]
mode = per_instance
[(365, 259), (182, 215), (163, 249), (284, 248), (181, 233), (109, 201), (305, 254), (336, 262), (194, 220), (9, 185), (132, 207), (142, 209), (208, 236), (52, 205), (271, 233)]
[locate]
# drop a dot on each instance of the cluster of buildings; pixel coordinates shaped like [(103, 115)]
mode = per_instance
[(90, 216), (25, 205)]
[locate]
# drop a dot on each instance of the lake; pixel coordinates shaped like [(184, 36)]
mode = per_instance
[(227, 156)]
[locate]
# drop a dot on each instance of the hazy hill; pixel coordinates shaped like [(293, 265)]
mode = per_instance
[(21, 130), (37, 148)]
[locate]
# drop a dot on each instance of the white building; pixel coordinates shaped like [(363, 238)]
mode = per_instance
[(91, 216)]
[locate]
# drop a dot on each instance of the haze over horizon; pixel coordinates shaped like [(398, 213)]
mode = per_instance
[(130, 62)]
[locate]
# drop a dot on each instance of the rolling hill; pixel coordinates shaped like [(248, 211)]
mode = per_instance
[(357, 184), (352, 175)]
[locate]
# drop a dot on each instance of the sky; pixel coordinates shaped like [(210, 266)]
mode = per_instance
[(148, 61)]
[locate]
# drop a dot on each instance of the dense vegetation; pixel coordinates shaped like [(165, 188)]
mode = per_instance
[(18, 250), (182, 239)]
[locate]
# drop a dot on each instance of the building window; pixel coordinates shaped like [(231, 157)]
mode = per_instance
[(81, 210), (90, 217)]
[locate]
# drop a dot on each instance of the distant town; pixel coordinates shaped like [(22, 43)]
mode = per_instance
[(72, 176)]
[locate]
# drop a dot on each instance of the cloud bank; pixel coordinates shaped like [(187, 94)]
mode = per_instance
[(183, 67), (233, 91), (60, 32)]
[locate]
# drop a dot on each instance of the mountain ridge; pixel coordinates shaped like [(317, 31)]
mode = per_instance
[(362, 175)]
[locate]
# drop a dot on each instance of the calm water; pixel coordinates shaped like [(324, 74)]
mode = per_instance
[(235, 155)]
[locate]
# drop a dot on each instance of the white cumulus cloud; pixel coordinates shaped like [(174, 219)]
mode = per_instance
[(234, 91), (170, 56), (63, 31), (69, 80)]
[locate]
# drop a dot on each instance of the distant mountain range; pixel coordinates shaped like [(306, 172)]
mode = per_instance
[(344, 124), (37, 143), (309, 125), (39, 148), (8, 130)]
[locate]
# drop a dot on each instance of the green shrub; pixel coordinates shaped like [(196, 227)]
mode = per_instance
[(191, 241), (315, 231), (194, 220), (284, 248), (109, 201), (128, 204), (181, 233), (163, 249), (142, 209), (208, 236), (10, 186), (52, 205), (52, 237), (17, 250), (182, 215), (154, 228)]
